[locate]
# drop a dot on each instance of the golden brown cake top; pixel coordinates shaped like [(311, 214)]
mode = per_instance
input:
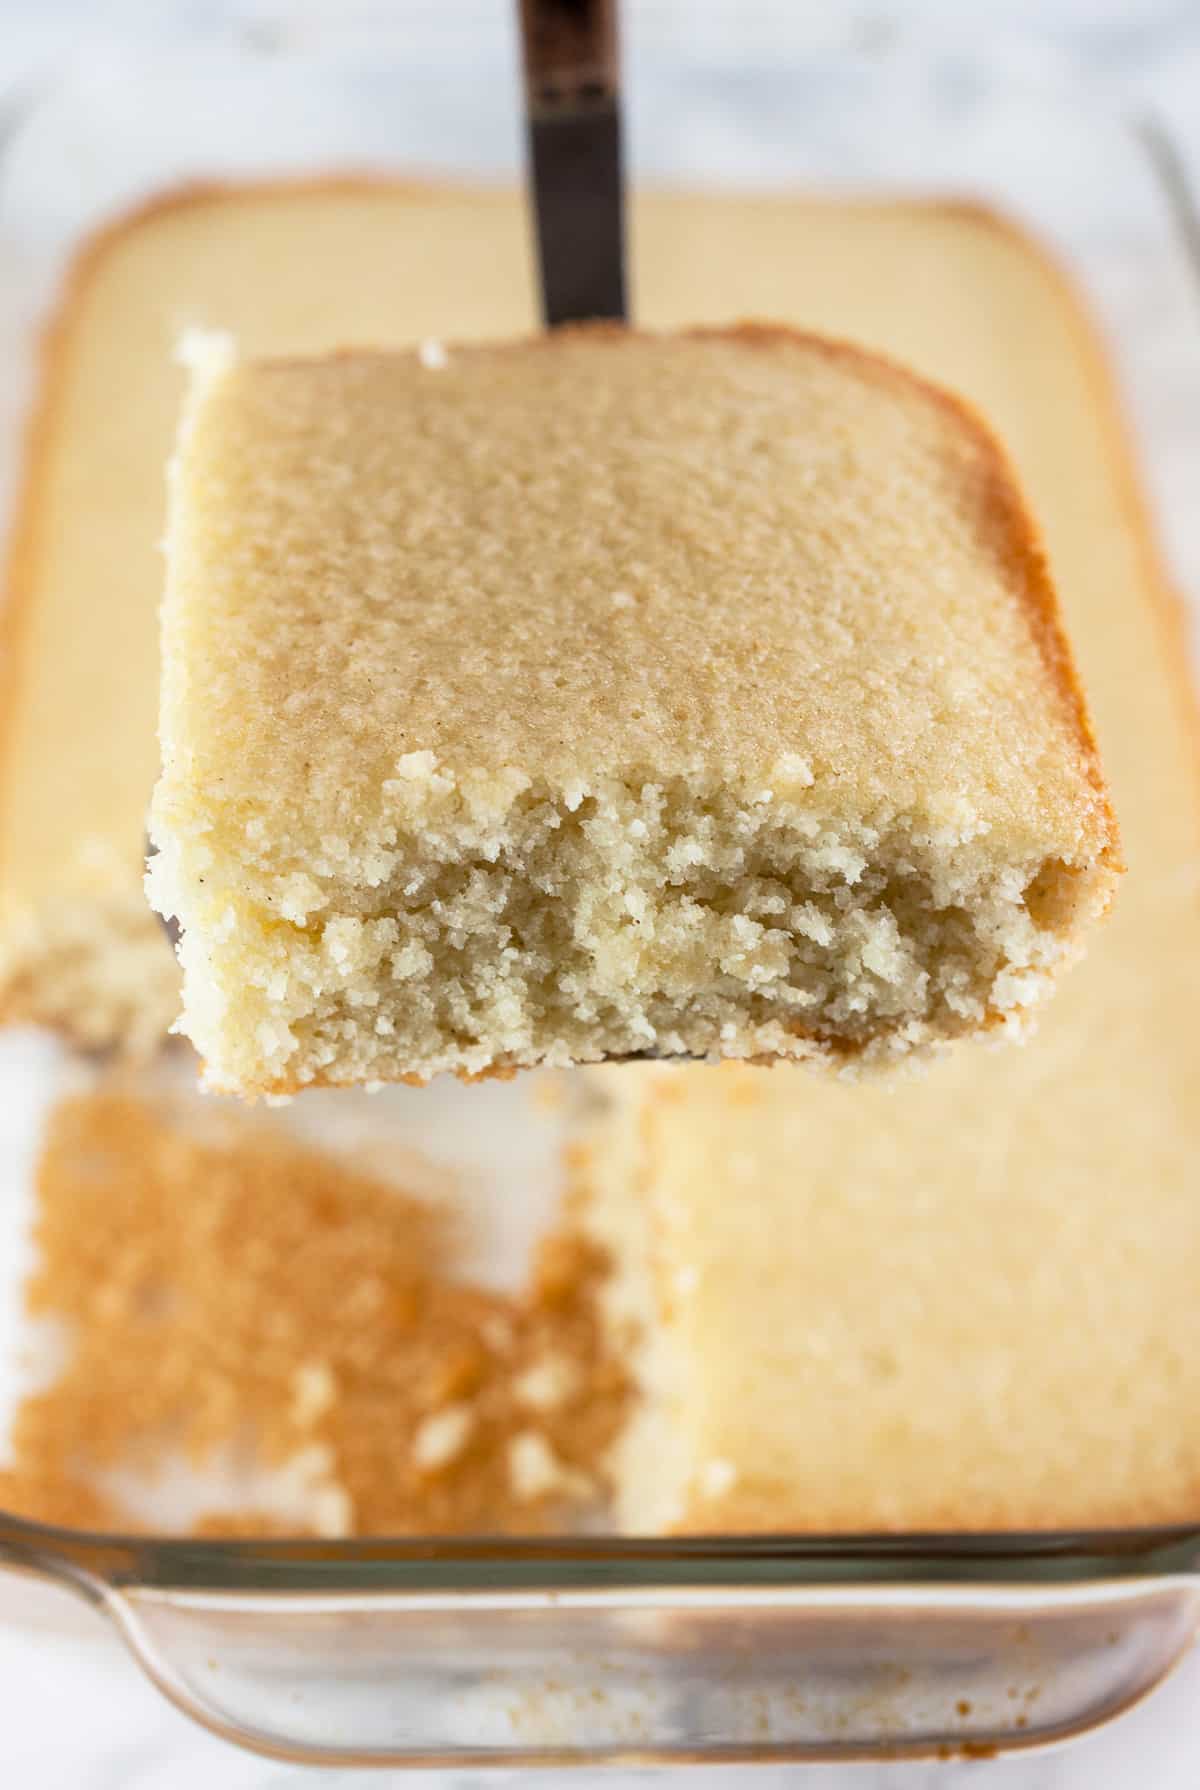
[(747, 557)]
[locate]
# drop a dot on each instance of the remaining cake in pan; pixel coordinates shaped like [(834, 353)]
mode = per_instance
[(949, 1307), (606, 694)]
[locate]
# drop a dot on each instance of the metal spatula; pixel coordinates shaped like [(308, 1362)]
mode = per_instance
[(572, 108)]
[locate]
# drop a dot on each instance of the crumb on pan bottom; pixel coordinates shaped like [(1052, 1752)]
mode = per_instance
[(234, 1287)]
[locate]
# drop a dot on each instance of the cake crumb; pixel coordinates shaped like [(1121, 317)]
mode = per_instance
[(313, 1391), (717, 1477), (194, 1263), (333, 1513), (545, 1385), (536, 1472), (441, 1437)]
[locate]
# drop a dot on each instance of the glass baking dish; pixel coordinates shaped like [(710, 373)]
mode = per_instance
[(575, 1650)]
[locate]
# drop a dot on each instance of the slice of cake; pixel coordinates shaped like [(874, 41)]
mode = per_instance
[(608, 694)]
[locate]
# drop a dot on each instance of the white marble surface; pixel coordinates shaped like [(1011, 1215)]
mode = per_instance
[(75, 1714)]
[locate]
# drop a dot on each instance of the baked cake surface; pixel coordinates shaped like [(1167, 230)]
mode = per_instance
[(608, 694)]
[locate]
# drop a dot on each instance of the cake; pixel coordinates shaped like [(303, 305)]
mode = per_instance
[(1078, 1151), (967, 1304), (608, 694)]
